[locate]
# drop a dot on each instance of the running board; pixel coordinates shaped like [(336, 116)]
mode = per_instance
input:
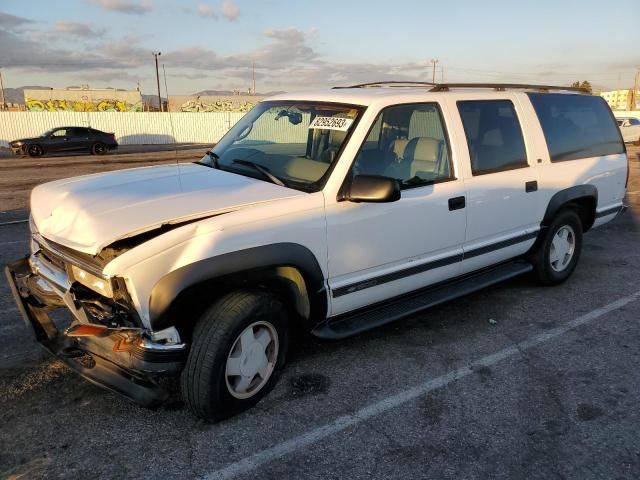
[(380, 314)]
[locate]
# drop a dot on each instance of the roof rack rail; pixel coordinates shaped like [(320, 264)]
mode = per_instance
[(390, 83), (445, 87), (501, 87)]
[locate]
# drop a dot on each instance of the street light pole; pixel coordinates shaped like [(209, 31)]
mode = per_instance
[(433, 77), (3, 106), (156, 55)]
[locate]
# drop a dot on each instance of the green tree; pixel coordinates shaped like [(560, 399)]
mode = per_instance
[(584, 84)]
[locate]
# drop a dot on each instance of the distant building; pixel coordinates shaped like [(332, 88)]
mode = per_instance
[(621, 99), (82, 100)]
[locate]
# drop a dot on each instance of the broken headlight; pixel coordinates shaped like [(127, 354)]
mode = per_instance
[(93, 282)]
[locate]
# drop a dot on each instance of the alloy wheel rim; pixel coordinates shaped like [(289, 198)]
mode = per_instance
[(562, 248), (252, 360)]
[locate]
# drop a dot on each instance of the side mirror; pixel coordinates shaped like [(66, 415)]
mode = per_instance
[(371, 189)]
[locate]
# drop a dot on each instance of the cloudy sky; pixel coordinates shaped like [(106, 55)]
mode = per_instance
[(297, 44)]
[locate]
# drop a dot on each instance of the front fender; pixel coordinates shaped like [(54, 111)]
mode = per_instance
[(166, 290)]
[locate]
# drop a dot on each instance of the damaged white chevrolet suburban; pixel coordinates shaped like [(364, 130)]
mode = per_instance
[(330, 212)]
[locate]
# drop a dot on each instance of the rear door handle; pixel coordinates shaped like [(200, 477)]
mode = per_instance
[(531, 186), (456, 203)]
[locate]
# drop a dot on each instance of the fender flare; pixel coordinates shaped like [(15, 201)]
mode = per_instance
[(167, 289), (561, 198)]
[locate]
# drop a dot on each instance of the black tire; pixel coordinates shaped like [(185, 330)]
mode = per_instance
[(98, 149), (204, 384), (541, 257), (34, 151)]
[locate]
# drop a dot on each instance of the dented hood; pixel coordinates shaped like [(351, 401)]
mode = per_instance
[(90, 212)]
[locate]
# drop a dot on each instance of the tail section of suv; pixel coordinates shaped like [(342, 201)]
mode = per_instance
[(329, 211)]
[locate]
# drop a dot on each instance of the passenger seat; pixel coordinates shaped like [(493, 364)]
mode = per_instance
[(422, 155)]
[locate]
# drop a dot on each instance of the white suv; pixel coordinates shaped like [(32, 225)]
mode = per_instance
[(331, 211), (630, 129)]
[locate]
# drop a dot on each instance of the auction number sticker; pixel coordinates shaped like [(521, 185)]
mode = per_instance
[(332, 123)]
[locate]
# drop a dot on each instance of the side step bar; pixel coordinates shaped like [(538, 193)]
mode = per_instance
[(365, 319)]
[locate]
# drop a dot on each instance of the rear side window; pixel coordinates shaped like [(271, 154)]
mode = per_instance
[(576, 126), (493, 135)]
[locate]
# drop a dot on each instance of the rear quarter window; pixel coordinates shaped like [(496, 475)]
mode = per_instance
[(576, 126)]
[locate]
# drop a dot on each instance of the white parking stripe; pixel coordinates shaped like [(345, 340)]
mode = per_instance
[(14, 242), (295, 444), (14, 222)]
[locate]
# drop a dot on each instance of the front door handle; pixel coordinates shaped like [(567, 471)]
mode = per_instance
[(531, 186), (456, 203)]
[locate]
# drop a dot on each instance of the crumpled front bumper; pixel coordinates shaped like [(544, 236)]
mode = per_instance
[(122, 360)]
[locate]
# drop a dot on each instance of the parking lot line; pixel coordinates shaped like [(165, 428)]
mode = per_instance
[(304, 440), (14, 222), (14, 242)]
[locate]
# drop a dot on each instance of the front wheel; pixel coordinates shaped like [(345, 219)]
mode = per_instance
[(35, 150), (559, 251), (238, 350)]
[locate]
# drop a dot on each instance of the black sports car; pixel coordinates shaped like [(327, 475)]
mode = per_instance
[(66, 139)]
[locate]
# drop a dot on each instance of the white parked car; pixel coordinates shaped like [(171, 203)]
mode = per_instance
[(630, 129), (332, 211)]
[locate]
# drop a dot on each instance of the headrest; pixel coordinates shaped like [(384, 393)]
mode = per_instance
[(422, 149)]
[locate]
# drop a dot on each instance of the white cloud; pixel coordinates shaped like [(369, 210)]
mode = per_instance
[(205, 10), (77, 29), (230, 10), (135, 7)]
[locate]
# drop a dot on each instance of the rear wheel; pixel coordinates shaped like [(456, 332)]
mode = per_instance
[(557, 255), (35, 150), (238, 350), (98, 149)]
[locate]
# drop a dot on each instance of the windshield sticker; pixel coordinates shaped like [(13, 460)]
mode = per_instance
[(332, 123)]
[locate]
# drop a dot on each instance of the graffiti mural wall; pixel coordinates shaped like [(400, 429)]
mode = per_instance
[(82, 100), (235, 103)]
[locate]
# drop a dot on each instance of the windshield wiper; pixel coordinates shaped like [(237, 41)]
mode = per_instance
[(262, 170), (214, 157)]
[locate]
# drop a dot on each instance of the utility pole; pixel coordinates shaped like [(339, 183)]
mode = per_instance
[(634, 94), (441, 74), (3, 106), (433, 62), (156, 55), (254, 77), (166, 90)]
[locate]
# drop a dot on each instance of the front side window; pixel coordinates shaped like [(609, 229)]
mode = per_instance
[(60, 133), (408, 143), (494, 136), (289, 143), (576, 126)]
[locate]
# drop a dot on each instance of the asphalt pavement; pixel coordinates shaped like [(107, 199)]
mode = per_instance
[(516, 381)]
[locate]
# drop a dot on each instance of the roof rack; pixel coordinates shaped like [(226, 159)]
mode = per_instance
[(501, 87), (445, 87), (391, 83)]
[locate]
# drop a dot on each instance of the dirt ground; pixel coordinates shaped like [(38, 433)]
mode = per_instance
[(18, 175)]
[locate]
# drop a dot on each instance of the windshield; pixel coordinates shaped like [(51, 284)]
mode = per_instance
[(294, 143), (47, 133)]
